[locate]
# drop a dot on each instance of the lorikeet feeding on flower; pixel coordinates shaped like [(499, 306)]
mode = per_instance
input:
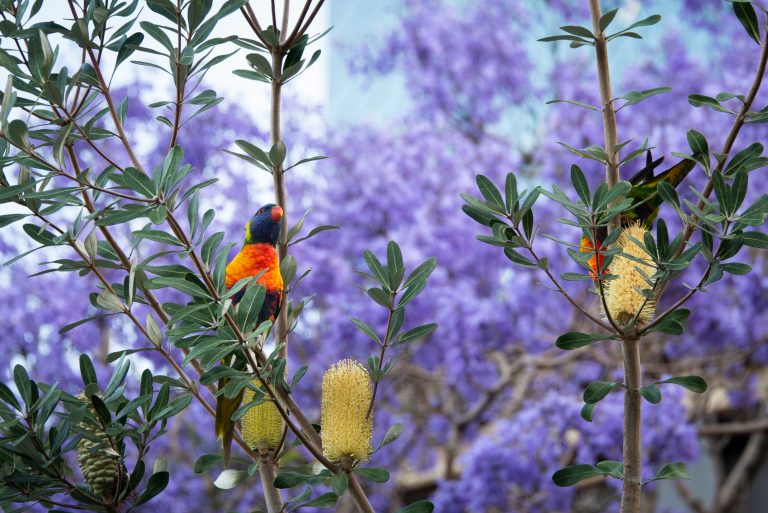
[(647, 202), (258, 255)]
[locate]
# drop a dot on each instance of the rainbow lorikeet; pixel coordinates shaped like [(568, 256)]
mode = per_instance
[(647, 202), (257, 255)]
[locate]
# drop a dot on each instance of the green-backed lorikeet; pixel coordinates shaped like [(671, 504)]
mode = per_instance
[(647, 202), (257, 254)]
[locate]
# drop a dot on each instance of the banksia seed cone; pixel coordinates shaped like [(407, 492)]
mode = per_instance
[(262, 425), (621, 294), (346, 426), (99, 463)]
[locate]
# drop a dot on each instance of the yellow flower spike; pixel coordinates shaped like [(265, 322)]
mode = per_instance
[(346, 426), (621, 294), (262, 425)]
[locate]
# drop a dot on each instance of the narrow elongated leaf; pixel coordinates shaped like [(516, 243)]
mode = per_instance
[(748, 18), (377, 475), (597, 390), (695, 384), (422, 506), (575, 340), (155, 486), (675, 470)]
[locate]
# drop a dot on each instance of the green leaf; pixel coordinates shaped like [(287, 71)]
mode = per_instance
[(578, 31), (650, 20), (520, 260), (380, 296), (597, 390), (155, 32), (289, 479), (366, 328), (674, 323), (675, 470), (113, 217), (550, 39), (186, 286), (421, 272), (395, 266), (260, 64), (742, 159), (579, 182), (606, 19), (376, 268), (422, 506), (155, 486), (700, 100), (158, 236), (612, 468), (651, 393), (249, 307), (10, 218), (392, 434), (695, 384), (87, 371), (748, 18), (315, 231), (130, 45), (490, 192), (277, 153), (574, 102), (755, 239), (339, 484), (7, 396), (17, 134), (415, 333), (327, 500), (411, 292), (164, 8), (23, 384), (587, 411), (736, 268), (634, 97), (575, 340), (699, 146), (573, 474), (254, 152), (377, 475)]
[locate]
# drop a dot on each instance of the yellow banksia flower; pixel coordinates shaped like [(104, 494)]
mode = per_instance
[(99, 463), (346, 426), (621, 294), (262, 425)]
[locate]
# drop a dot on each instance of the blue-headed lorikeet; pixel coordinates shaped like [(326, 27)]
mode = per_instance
[(647, 202), (257, 254)]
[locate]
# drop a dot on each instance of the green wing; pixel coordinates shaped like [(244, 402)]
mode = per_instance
[(647, 202)]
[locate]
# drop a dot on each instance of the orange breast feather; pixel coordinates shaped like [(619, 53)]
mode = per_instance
[(250, 261)]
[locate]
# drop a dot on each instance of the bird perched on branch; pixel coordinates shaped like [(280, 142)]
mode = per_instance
[(258, 255), (647, 201)]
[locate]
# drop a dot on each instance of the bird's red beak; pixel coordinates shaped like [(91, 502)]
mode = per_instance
[(277, 213)]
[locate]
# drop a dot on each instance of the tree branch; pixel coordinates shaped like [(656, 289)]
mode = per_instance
[(610, 131)]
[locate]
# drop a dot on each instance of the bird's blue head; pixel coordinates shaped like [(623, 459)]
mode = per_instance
[(264, 226)]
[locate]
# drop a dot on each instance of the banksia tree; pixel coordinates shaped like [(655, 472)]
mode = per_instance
[(346, 419), (630, 294), (262, 425), (99, 462), (629, 267)]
